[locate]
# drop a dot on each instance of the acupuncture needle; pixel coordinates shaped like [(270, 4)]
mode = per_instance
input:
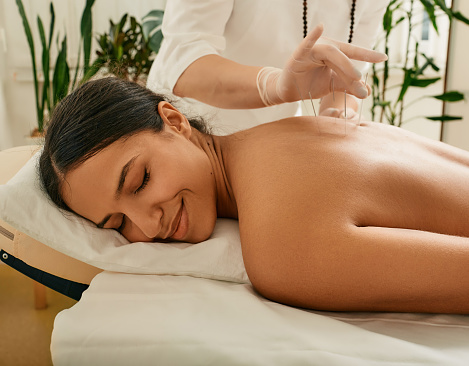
[(361, 105), (333, 89), (304, 103), (345, 112), (311, 99)]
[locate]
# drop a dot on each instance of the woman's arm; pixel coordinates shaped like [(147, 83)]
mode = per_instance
[(373, 269)]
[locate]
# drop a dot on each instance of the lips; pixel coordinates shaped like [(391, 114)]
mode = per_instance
[(182, 221)]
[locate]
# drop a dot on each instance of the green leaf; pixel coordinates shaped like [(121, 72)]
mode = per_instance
[(154, 14), (384, 103), (155, 41), (51, 35), (151, 29), (387, 19), (430, 9), (398, 21), (430, 62), (122, 23), (120, 52), (42, 34), (442, 5), (29, 37), (149, 26), (423, 83), (93, 69), (45, 65), (451, 96), (52, 24), (405, 84), (444, 118), (133, 24), (460, 17), (61, 78), (86, 30), (416, 57)]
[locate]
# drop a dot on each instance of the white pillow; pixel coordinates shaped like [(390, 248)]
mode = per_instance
[(25, 206)]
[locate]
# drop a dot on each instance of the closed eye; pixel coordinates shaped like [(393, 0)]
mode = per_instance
[(146, 178)]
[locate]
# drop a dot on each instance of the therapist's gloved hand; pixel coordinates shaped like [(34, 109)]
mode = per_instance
[(317, 66)]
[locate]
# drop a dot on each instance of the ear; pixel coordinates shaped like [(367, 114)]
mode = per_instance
[(173, 119)]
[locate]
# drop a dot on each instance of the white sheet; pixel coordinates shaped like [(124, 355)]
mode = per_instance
[(127, 319)]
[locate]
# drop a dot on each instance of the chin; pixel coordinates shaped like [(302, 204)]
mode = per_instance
[(204, 232)]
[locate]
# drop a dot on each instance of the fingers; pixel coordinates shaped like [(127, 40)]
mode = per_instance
[(356, 87), (314, 35), (368, 88), (356, 52), (302, 52), (347, 76)]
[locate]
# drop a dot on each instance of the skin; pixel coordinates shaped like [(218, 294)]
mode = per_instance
[(331, 216)]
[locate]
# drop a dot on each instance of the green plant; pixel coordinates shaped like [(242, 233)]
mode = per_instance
[(413, 68), (151, 28), (54, 90), (128, 52)]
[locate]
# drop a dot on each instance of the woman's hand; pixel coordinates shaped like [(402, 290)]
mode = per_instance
[(318, 66)]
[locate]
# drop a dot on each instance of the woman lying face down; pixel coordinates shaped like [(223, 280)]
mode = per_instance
[(332, 216)]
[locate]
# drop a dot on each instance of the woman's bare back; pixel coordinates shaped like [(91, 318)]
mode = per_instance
[(371, 218)]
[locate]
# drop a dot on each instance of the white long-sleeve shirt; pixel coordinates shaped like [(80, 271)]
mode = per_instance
[(251, 32)]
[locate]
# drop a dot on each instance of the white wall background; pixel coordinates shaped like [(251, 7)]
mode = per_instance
[(5, 135), (17, 108), (457, 133)]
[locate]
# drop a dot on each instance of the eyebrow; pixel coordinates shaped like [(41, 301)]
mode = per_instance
[(123, 175), (120, 185)]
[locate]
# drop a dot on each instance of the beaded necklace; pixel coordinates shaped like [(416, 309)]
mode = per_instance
[(352, 19)]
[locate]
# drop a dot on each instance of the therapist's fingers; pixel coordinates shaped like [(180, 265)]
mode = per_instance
[(356, 52), (346, 74), (355, 87), (333, 58), (301, 56)]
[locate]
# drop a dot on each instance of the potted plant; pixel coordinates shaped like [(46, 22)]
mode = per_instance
[(414, 67), (50, 90), (127, 50)]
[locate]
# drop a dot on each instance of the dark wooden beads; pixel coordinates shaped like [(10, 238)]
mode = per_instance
[(352, 19)]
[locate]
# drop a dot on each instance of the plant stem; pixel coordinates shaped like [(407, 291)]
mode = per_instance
[(407, 51), (385, 76)]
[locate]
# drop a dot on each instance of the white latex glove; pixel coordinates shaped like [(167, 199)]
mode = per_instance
[(314, 69)]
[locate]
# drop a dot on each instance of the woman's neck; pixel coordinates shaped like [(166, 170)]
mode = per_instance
[(214, 147)]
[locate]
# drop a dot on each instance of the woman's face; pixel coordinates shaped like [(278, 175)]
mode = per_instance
[(150, 186)]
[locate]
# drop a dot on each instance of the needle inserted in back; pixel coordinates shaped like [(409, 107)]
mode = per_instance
[(361, 105)]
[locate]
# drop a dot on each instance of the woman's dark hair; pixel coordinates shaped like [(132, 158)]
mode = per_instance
[(91, 118)]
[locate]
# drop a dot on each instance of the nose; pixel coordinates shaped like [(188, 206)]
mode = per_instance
[(148, 222)]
